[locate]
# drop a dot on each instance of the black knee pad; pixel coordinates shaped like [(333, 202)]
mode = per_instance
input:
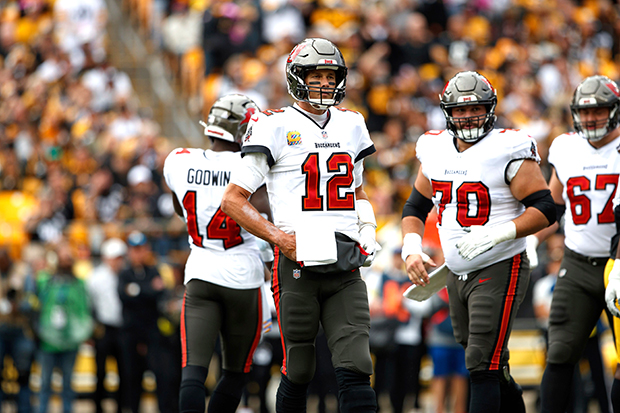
[(561, 353), (192, 391), (291, 397), (300, 362), (354, 392)]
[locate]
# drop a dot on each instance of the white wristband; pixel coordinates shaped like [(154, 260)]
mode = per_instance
[(412, 244), (365, 213)]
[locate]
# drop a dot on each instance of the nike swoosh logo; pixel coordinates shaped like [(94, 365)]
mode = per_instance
[(483, 280)]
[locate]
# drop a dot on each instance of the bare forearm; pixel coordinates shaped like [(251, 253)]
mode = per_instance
[(530, 222), (235, 204)]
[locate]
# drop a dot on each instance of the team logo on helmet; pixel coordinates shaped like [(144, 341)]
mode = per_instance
[(248, 115), (293, 138), (297, 274)]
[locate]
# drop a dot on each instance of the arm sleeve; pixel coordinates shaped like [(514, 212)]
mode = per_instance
[(251, 172)]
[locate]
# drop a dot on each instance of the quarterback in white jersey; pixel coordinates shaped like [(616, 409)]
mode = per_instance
[(224, 271), (585, 179), (313, 169), (489, 193), (311, 155)]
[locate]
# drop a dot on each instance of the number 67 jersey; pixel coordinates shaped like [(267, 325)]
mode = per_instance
[(222, 252), (472, 188), (590, 178)]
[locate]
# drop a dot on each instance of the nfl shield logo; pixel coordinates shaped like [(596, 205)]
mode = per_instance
[(296, 274), (324, 134)]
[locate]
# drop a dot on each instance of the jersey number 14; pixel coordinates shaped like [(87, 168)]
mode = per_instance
[(221, 226)]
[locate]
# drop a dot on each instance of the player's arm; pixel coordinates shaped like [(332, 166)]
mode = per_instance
[(236, 205), (260, 201), (367, 225), (529, 186), (415, 211)]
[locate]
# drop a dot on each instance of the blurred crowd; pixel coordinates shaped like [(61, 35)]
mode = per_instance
[(81, 160)]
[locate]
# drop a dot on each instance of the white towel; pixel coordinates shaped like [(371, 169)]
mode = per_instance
[(316, 244)]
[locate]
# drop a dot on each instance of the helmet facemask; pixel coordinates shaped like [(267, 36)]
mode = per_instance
[(459, 127), (596, 92)]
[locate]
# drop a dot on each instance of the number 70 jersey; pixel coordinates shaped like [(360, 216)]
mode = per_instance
[(472, 188), (198, 178)]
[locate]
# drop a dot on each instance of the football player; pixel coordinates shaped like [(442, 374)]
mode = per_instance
[(224, 271), (586, 167), (311, 155), (490, 193)]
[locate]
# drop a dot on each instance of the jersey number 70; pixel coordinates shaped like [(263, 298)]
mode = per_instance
[(473, 205), (221, 226)]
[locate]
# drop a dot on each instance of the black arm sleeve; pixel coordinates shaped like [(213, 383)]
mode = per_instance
[(542, 201), (417, 205), (560, 209)]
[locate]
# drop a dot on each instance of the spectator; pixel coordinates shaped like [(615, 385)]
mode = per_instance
[(102, 287), (64, 324), (141, 290), (16, 337)]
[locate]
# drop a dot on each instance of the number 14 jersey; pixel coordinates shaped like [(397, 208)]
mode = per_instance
[(472, 188), (222, 252)]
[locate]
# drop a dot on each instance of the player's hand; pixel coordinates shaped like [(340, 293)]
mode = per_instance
[(288, 246), (482, 238), (530, 250), (612, 292), (369, 244), (416, 265)]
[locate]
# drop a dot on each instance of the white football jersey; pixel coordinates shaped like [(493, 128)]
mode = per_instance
[(472, 188), (311, 173), (590, 179), (222, 252)]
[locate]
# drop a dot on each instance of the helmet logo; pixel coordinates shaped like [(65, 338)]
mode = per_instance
[(293, 138), (470, 98), (327, 61), (614, 88), (248, 115), (588, 101), (295, 52)]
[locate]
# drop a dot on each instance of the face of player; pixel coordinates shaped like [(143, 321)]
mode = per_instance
[(321, 83), (469, 117), (594, 118)]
